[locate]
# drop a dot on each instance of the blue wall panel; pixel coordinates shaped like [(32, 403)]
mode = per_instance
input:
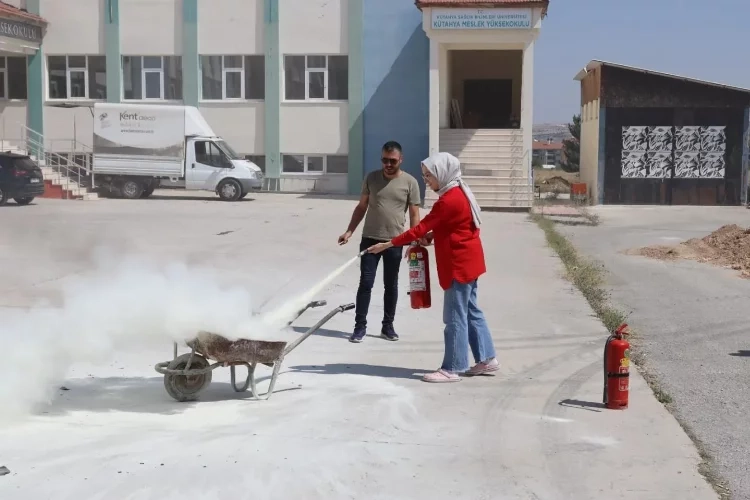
[(112, 50), (396, 57), (745, 175), (191, 74)]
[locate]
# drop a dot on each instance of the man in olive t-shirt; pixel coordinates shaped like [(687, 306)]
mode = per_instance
[(387, 195)]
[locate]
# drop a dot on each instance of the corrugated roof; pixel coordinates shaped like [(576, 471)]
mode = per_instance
[(544, 4), (9, 10), (595, 64)]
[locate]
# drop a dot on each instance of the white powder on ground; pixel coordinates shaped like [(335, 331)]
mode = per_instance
[(123, 305)]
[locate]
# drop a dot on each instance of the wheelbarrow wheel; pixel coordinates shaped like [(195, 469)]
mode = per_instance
[(187, 387)]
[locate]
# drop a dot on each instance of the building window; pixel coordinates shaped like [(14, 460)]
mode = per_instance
[(76, 77), (152, 77), (259, 160), (233, 77), (13, 77), (316, 78), (314, 164)]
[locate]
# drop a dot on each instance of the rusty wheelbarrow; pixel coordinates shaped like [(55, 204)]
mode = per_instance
[(188, 374)]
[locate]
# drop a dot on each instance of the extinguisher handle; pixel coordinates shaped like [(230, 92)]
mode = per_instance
[(622, 330)]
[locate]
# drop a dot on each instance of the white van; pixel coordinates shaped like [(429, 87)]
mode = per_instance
[(138, 147)]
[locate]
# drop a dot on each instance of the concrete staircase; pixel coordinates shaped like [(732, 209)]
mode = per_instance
[(493, 165), (64, 178), (60, 186)]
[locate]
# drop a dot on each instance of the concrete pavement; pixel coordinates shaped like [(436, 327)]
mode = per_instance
[(692, 318), (347, 421)]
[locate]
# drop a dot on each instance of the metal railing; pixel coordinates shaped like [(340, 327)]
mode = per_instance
[(73, 167)]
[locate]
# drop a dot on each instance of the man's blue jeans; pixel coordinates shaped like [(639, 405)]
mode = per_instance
[(368, 268), (465, 327)]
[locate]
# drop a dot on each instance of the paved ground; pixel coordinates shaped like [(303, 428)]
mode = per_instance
[(693, 317), (348, 421)]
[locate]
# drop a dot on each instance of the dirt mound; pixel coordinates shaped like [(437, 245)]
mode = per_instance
[(556, 180), (658, 252), (728, 246), (557, 184)]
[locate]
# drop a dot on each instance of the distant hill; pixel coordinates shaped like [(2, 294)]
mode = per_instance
[(551, 131)]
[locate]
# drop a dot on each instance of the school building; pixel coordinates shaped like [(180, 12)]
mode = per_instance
[(307, 89)]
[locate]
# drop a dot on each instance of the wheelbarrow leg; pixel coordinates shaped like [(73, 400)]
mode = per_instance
[(244, 386), (274, 376), (251, 376)]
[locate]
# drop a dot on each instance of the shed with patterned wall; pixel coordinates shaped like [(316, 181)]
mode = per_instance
[(664, 139)]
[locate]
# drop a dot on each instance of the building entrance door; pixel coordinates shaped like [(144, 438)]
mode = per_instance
[(488, 103)]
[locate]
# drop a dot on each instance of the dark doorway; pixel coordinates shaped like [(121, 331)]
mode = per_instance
[(488, 104)]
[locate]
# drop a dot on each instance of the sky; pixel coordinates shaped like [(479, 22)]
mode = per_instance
[(703, 39)]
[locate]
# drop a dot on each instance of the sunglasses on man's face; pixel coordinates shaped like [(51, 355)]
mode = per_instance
[(389, 161)]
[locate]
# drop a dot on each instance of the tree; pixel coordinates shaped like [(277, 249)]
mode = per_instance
[(572, 147)]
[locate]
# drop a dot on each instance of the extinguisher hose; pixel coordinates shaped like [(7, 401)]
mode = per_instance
[(606, 379)]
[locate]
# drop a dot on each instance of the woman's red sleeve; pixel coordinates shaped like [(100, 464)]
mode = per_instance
[(431, 220)]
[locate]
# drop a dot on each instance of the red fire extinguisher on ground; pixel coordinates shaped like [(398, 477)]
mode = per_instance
[(617, 369), (419, 277)]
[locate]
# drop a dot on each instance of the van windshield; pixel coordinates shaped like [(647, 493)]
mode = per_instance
[(231, 153)]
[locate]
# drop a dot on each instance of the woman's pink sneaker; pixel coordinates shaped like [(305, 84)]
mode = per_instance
[(484, 368)]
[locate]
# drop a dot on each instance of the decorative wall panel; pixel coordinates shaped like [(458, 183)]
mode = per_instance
[(681, 152)]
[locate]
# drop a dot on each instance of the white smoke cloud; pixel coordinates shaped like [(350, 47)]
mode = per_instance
[(122, 304), (127, 303)]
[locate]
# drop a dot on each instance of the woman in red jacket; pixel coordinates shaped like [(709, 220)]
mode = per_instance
[(453, 224)]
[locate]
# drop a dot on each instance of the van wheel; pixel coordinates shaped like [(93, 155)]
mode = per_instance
[(229, 190), (24, 201), (131, 190), (3, 197)]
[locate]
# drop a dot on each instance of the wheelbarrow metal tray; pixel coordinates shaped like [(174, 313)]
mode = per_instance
[(223, 350)]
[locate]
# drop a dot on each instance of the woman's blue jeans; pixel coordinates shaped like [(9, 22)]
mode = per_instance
[(465, 327)]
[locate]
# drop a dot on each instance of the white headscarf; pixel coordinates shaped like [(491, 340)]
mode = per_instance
[(447, 170)]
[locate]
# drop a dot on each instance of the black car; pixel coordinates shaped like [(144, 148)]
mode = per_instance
[(20, 179)]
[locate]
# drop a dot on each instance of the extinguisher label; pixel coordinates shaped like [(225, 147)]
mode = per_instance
[(417, 280), (624, 381)]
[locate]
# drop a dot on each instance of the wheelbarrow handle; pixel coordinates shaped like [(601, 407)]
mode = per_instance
[(316, 326), (311, 305)]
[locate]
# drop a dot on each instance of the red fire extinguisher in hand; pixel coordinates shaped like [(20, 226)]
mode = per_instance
[(617, 369), (419, 276)]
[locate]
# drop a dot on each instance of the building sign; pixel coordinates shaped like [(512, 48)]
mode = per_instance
[(22, 31), (481, 19)]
